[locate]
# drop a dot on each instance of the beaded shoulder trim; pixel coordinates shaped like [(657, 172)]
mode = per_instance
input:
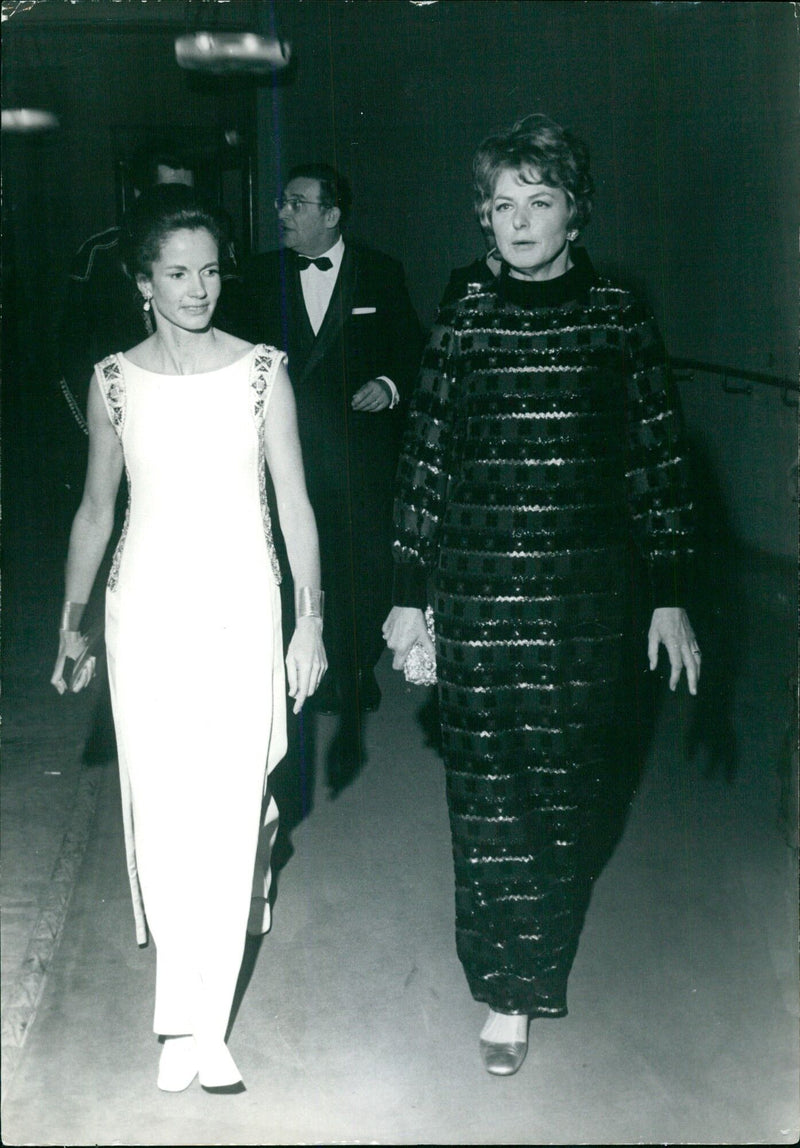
[(112, 386), (266, 361), (265, 364)]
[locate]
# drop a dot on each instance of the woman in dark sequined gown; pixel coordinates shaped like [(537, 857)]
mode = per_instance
[(542, 438)]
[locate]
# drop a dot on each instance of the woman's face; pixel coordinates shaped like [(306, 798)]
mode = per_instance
[(530, 221), (184, 283)]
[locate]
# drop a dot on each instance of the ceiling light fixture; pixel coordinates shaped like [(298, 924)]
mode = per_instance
[(27, 120), (230, 52)]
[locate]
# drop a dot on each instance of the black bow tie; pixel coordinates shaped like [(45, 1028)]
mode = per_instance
[(324, 263)]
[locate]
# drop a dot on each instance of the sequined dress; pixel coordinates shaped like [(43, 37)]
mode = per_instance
[(193, 633), (542, 439)]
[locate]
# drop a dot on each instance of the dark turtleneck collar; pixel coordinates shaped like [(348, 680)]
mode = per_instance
[(573, 284)]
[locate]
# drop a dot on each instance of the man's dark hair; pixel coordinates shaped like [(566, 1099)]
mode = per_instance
[(333, 188), (147, 159)]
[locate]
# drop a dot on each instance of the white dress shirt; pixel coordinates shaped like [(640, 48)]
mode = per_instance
[(317, 291), (318, 285)]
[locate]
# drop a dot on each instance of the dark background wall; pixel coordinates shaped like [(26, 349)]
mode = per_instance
[(690, 111), (108, 72)]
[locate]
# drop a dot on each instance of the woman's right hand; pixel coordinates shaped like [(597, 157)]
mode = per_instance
[(306, 660), (404, 626), (71, 644)]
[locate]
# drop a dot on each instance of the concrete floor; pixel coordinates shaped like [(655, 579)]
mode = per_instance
[(356, 1024)]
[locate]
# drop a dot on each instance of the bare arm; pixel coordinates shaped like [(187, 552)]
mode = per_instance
[(305, 661), (93, 522)]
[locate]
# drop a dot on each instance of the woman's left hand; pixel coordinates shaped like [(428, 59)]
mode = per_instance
[(72, 644), (670, 626), (306, 661)]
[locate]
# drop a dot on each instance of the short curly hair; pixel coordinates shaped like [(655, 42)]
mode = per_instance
[(535, 144)]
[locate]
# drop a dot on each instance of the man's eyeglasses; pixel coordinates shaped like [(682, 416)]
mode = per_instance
[(295, 203)]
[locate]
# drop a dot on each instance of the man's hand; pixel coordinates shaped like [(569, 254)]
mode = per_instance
[(373, 396)]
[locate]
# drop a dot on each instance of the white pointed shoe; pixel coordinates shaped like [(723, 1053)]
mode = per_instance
[(178, 1065), (218, 1071)]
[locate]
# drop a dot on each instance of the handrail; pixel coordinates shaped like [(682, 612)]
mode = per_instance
[(785, 386)]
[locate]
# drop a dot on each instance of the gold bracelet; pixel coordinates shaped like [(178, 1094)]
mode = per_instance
[(71, 615), (310, 603)]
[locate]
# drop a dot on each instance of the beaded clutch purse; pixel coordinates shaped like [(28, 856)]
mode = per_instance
[(93, 643), (420, 666)]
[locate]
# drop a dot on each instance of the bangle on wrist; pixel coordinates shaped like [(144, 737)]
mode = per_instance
[(71, 615), (310, 603)]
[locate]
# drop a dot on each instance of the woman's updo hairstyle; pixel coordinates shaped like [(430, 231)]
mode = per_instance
[(540, 145), (155, 215)]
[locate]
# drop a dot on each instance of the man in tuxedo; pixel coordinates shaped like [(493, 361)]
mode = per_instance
[(343, 314)]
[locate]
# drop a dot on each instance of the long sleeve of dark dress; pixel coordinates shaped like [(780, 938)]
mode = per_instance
[(542, 440)]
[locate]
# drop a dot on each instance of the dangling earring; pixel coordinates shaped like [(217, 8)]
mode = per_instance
[(146, 304), (572, 236)]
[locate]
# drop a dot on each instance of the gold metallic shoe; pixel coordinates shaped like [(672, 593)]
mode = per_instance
[(503, 1059)]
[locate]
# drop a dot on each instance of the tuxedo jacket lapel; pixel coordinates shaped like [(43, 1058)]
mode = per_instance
[(338, 311), (300, 334)]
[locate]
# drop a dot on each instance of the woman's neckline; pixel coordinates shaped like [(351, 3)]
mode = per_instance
[(549, 292), (189, 374)]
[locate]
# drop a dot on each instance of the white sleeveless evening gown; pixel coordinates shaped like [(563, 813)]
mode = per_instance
[(195, 660)]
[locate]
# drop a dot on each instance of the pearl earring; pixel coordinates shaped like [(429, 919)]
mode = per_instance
[(146, 303)]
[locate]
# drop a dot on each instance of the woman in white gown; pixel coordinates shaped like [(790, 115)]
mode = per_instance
[(193, 627)]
